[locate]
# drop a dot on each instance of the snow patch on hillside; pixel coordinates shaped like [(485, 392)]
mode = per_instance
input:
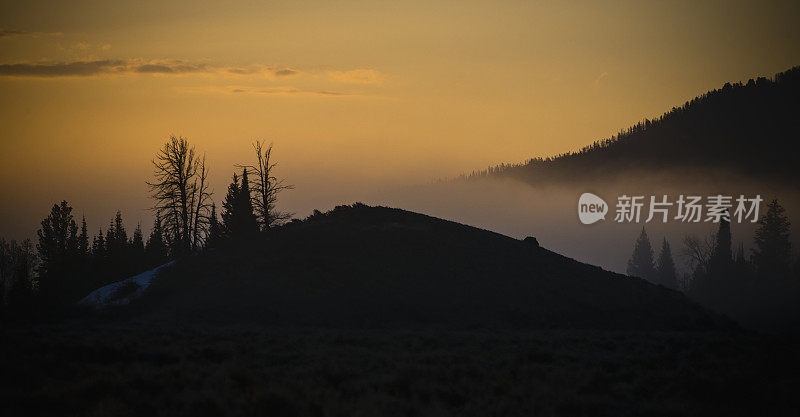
[(122, 292)]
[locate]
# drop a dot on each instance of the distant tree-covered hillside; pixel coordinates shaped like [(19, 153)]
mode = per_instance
[(749, 129)]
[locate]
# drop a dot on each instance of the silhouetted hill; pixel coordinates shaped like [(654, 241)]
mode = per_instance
[(749, 129), (361, 266)]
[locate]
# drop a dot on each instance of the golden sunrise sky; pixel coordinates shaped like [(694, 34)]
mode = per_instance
[(356, 95)]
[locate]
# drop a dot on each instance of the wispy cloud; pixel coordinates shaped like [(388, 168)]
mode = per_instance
[(268, 71), (285, 72), (88, 68), (64, 69), (272, 91), (10, 32), (357, 76), (17, 33), (173, 67), (86, 46), (314, 83)]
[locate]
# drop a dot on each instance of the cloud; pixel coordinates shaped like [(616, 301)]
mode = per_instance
[(285, 72), (286, 91), (283, 91), (16, 33), (172, 67), (66, 69), (270, 72), (10, 32), (357, 76), (90, 68), (176, 67)]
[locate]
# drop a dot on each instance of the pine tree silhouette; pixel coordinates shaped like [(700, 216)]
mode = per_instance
[(665, 267), (215, 229), (58, 249), (641, 263), (721, 262), (238, 217), (156, 249), (136, 250), (99, 246), (83, 240), (772, 254), (120, 243)]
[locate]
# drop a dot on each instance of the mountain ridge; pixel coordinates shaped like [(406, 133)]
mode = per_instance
[(739, 128), (375, 267)]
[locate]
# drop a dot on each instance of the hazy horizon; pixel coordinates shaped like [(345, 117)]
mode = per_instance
[(359, 98)]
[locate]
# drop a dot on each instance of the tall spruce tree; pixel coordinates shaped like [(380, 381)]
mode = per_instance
[(58, 249), (773, 251), (238, 216), (721, 262), (215, 229), (83, 240), (665, 267), (156, 249), (99, 246), (120, 243), (137, 249), (641, 262)]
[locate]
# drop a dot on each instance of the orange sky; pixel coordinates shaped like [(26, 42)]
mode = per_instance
[(357, 96)]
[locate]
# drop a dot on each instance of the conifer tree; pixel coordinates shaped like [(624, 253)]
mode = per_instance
[(110, 239), (83, 240), (238, 216), (772, 254), (722, 255), (137, 249), (99, 246), (665, 267), (58, 248), (120, 243), (156, 249), (641, 262), (215, 230)]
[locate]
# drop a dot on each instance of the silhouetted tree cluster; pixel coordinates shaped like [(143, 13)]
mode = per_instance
[(17, 279), (250, 207), (67, 262), (764, 289), (239, 220), (642, 265)]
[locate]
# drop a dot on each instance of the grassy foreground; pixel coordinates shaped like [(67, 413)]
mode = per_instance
[(121, 370)]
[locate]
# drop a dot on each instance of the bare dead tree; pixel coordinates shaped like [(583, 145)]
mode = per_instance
[(697, 252), (202, 208), (180, 191), (266, 187)]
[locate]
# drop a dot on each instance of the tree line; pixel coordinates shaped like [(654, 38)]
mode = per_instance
[(737, 127), (762, 289), (66, 262)]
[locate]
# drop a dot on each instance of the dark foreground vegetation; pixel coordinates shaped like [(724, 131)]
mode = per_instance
[(760, 291), (377, 267), (104, 369), (378, 311)]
